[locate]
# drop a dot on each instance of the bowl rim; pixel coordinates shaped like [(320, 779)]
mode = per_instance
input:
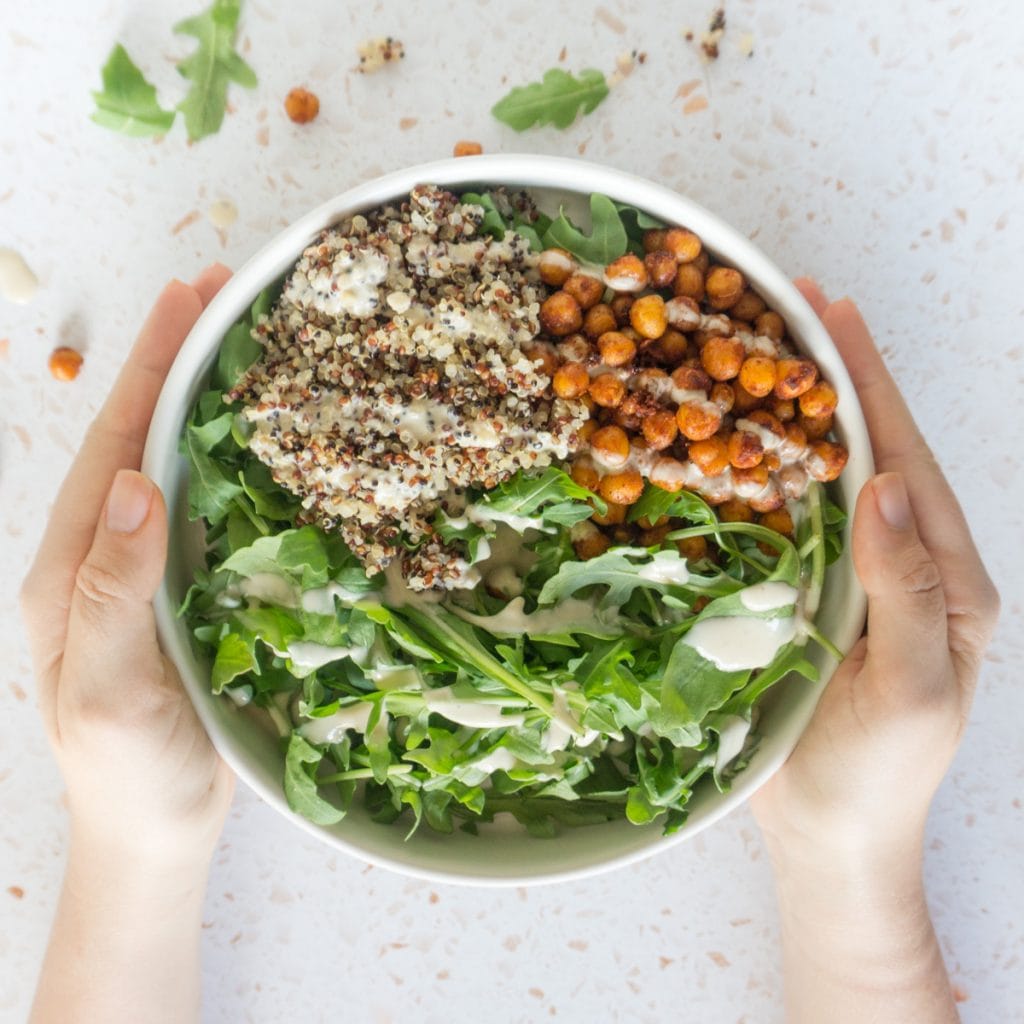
[(527, 171)]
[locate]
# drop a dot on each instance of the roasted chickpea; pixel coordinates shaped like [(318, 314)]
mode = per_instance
[(660, 429), (723, 396), (560, 314), (599, 320), (771, 461), (735, 511), (682, 244), (620, 307), (783, 409), (757, 375), (744, 401), (683, 313), (796, 441), (703, 261), (698, 420), (826, 460), (749, 481), (691, 378), (586, 290), (615, 515), (610, 446), (722, 357), (821, 400), (671, 348), (778, 520), (653, 537), (555, 266), (693, 549), (623, 488), (627, 416), (616, 348), (574, 349), (543, 356), (669, 474), (647, 316), (661, 268), (793, 377), (689, 282), (793, 481), (585, 431), (585, 473), (626, 274), (607, 390), (651, 381), (749, 306), (745, 449), (724, 286), (710, 456), (589, 543), (770, 325), (624, 533), (815, 427), (764, 419), (768, 498), (654, 239), (570, 380)]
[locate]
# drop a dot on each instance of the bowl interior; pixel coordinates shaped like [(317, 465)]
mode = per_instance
[(499, 855)]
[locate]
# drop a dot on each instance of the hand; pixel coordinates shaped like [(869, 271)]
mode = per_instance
[(863, 775), (143, 781)]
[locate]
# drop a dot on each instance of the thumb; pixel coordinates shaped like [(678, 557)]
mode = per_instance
[(906, 603)]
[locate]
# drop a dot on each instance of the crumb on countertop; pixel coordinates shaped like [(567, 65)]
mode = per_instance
[(375, 53)]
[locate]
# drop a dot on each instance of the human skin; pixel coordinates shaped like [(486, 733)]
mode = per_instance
[(147, 794), (844, 818)]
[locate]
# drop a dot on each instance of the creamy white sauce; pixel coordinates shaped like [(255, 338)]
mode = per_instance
[(477, 714), (766, 596), (269, 588), (505, 581), (307, 656), (396, 677), (732, 734), (482, 514), (666, 567), (321, 600), (222, 214), (770, 441), (500, 759), (17, 282), (736, 643), (241, 695), (564, 727), (570, 615), (331, 728)]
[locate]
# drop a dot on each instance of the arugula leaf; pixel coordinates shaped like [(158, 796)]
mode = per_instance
[(128, 103), (693, 686), (235, 657), (211, 67), (607, 239), (300, 554), (211, 488), (525, 494), (494, 223), (620, 570), (555, 100), (300, 788)]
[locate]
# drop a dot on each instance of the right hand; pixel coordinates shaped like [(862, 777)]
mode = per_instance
[(861, 779)]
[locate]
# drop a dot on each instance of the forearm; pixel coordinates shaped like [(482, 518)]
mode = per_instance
[(125, 942), (858, 943)]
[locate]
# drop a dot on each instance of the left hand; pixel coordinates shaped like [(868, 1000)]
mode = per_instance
[(142, 778)]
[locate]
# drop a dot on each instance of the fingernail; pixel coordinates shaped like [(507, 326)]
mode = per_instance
[(128, 502), (893, 501)]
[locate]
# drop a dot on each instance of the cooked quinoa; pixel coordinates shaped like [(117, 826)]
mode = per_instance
[(394, 376)]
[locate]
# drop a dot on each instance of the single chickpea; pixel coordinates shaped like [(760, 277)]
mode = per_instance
[(560, 314), (543, 356), (616, 349), (703, 261), (555, 266), (795, 444), (783, 409), (301, 105), (65, 363), (654, 239), (693, 549), (698, 421), (745, 449), (739, 326), (586, 290), (623, 488), (574, 349), (626, 416), (671, 348), (770, 325), (589, 543), (691, 378), (626, 274), (771, 462), (724, 286), (646, 523), (624, 534), (722, 358), (689, 282), (610, 446), (793, 377), (653, 537), (757, 375), (661, 268), (570, 380), (651, 381), (769, 498), (821, 400), (585, 431), (763, 418), (684, 245), (607, 390), (815, 427), (723, 396), (826, 460), (465, 147), (647, 316), (585, 473), (599, 320), (744, 401), (778, 520), (660, 429), (735, 511), (710, 456), (683, 313), (749, 306), (615, 515), (749, 481), (620, 307), (669, 474)]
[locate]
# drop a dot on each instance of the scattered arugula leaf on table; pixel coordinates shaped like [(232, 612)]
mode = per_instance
[(556, 100), (128, 103)]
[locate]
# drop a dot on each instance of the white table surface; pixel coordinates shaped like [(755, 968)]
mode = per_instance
[(875, 145)]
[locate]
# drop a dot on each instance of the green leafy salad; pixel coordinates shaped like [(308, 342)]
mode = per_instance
[(535, 682)]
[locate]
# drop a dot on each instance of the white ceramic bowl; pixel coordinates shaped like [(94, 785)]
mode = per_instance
[(494, 858)]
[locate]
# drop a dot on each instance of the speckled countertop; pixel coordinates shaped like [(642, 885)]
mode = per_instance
[(877, 146)]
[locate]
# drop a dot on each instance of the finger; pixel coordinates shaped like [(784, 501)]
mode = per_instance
[(210, 281), (811, 291), (114, 441), (899, 447), (906, 604)]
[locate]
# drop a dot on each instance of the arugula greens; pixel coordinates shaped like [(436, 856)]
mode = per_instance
[(128, 103), (556, 100)]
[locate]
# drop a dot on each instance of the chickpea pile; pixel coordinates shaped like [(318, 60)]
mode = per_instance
[(690, 383)]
